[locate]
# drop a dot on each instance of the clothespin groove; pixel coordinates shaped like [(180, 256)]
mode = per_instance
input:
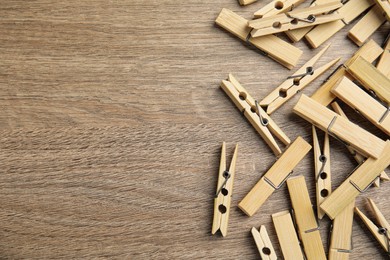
[(263, 243)]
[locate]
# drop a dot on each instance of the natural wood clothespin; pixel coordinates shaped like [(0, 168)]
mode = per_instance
[(287, 236), (295, 19), (263, 243), (365, 104), (359, 181), (385, 6), (263, 124), (272, 46), (363, 29), (351, 10), (371, 78), (381, 231), (322, 170), (223, 195), (276, 7), (384, 62), (246, 2), (295, 83), (339, 127), (306, 221), (275, 176), (369, 51), (341, 234), (358, 157)]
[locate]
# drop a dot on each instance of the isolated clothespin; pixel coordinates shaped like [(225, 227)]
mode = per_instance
[(385, 6), (272, 46), (276, 7), (358, 182), (295, 83), (371, 78), (358, 157), (263, 243), (275, 177), (287, 236), (295, 19), (349, 12), (342, 129), (370, 51), (341, 244), (223, 195), (263, 124), (370, 22), (381, 230), (307, 224), (322, 170), (375, 111)]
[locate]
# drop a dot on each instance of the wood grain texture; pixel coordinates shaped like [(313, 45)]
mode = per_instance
[(111, 121)]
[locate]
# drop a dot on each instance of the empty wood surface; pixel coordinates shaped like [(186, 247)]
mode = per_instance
[(111, 123)]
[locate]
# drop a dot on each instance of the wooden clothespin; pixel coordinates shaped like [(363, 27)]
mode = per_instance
[(271, 46), (358, 182), (383, 64), (350, 10), (263, 124), (381, 231), (295, 19), (275, 177), (339, 127), (370, 51), (223, 195), (287, 236), (341, 234), (295, 83), (276, 7), (307, 224), (385, 6), (246, 2), (263, 243), (297, 34), (358, 157), (363, 29), (322, 170), (371, 78), (358, 99)]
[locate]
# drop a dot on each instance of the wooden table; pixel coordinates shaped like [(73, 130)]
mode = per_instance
[(111, 121)]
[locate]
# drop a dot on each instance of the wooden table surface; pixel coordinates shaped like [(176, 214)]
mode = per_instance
[(112, 119)]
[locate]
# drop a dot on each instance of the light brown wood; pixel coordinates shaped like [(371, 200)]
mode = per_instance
[(341, 238), (367, 25), (358, 157), (327, 120), (384, 62), (274, 177), (287, 236), (322, 170), (369, 51), (265, 126), (223, 196), (247, 2), (291, 86), (385, 7), (366, 105), (276, 7), (294, 19), (359, 180), (305, 218), (277, 49), (371, 78), (351, 10), (263, 243)]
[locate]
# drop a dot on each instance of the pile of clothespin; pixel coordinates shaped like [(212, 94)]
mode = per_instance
[(358, 83)]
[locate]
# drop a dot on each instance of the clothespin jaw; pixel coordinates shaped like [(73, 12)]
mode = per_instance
[(295, 83), (276, 7), (322, 170), (295, 19), (224, 192), (263, 124), (381, 231), (263, 243)]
